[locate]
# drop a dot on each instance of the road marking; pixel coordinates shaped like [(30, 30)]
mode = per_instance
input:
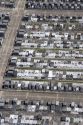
[(27, 94), (57, 97)]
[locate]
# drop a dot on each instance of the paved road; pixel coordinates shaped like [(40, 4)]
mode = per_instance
[(56, 12), (77, 97)]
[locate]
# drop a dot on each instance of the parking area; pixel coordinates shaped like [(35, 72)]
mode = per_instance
[(43, 86), (8, 3), (54, 4), (4, 21), (47, 49), (37, 112), (41, 62)]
